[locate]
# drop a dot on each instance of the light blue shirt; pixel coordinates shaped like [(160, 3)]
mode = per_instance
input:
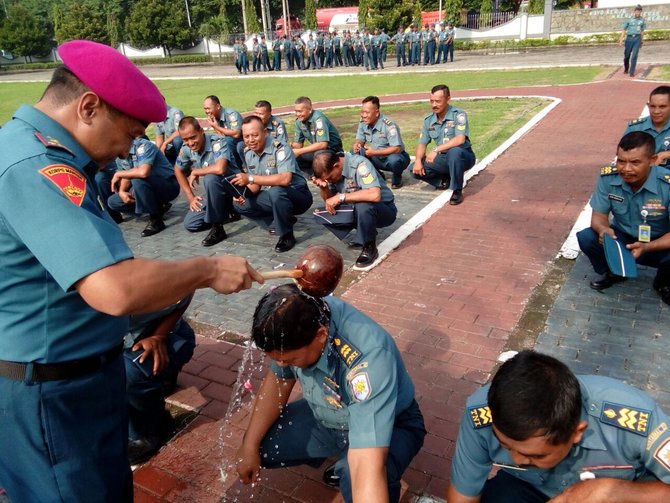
[(455, 122)]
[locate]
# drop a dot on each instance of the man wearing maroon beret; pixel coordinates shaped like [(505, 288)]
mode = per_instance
[(68, 282)]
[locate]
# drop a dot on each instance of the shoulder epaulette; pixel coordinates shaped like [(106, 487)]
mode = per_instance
[(608, 170), (636, 121), (50, 142), (276, 143), (666, 178), (480, 416), (427, 116), (627, 418), (347, 351), (388, 121), (275, 122)]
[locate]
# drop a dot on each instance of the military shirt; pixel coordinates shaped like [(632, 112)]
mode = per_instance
[(455, 122), (276, 158), (170, 124), (318, 128), (374, 41), (140, 324), (142, 152), (366, 41), (385, 133), (360, 382), (256, 49), (230, 119), (288, 46), (661, 137), (634, 26), (215, 149), (613, 195), (398, 39), (627, 438), (359, 173), (277, 129), (276, 45), (53, 232)]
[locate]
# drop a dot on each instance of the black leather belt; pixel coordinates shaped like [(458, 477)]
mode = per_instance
[(73, 369)]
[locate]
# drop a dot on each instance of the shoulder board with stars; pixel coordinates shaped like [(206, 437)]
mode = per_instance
[(627, 418), (50, 142), (636, 121), (666, 178), (480, 416), (608, 170), (388, 121), (347, 351)]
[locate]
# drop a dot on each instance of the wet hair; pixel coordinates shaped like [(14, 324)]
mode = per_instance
[(64, 87), (286, 318), (303, 100), (187, 121), (263, 104), (533, 395), (251, 118), (372, 99), (323, 162), (441, 87), (660, 90), (638, 139), (214, 98)]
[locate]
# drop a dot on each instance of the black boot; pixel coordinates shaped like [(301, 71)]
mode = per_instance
[(368, 255), (216, 235), (154, 226), (285, 243)]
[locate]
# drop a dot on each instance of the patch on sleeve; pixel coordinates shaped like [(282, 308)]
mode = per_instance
[(68, 180), (347, 351), (608, 170), (365, 173), (626, 418), (480, 416), (360, 387), (280, 130), (281, 155), (319, 124), (461, 118), (216, 147), (662, 454), (656, 434), (393, 131), (140, 150), (177, 118)]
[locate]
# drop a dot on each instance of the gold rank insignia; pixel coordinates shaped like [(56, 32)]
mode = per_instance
[(626, 418), (480, 416), (347, 351), (666, 178), (608, 170), (662, 454)]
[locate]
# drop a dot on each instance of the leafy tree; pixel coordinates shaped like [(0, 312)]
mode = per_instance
[(24, 34), (363, 11), (252, 17), (535, 6), (485, 13), (79, 19), (310, 14), (452, 11), (390, 14), (161, 23)]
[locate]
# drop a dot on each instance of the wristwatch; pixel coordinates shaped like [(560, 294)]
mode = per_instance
[(251, 178), (343, 196)]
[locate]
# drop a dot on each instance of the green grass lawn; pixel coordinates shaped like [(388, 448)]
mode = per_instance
[(242, 93), (660, 73), (491, 121)]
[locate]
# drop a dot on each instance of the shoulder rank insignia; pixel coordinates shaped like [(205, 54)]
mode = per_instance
[(70, 181), (275, 122), (666, 178), (626, 418), (480, 416), (50, 142), (636, 121), (347, 351), (276, 143), (608, 170), (388, 121)]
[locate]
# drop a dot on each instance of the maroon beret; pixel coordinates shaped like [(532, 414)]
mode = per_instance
[(112, 76)]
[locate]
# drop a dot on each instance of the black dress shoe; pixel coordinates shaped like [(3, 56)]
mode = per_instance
[(234, 217), (354, 245), (396, 185), (154, 226), (116, 216), (165, 207), (368, 255), (605, 281), (285, 243), (216, 235), (456, 198), (330, 477), (444, 183)]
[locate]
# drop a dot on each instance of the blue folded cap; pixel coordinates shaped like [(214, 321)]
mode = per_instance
[(619, 258)]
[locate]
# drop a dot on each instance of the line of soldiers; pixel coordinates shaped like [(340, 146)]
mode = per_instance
[(248, 168), (346, 49)]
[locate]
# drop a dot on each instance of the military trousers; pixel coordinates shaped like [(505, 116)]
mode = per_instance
[(451, 164)]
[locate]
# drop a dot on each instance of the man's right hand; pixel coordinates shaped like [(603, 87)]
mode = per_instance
[(248, 464), (233, 274), (418, 168), (609, 231), (195, 203)]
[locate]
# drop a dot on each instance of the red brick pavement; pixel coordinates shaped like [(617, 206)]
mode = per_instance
[(451, 294)]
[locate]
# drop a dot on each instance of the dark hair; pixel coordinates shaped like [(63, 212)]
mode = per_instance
[(187, 121), (64, 87), (372, 99), (286, 318), (638, 139), (303, 100), (251, 118), (440, 87), (323, 162), (660, 90), (534, 394), (263, 104), (214, 98)]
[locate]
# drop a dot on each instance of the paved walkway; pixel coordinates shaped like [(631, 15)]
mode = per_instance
[(452, 295)]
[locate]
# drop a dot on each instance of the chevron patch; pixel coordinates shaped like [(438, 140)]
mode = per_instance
[(480, 416), (626, 418)]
